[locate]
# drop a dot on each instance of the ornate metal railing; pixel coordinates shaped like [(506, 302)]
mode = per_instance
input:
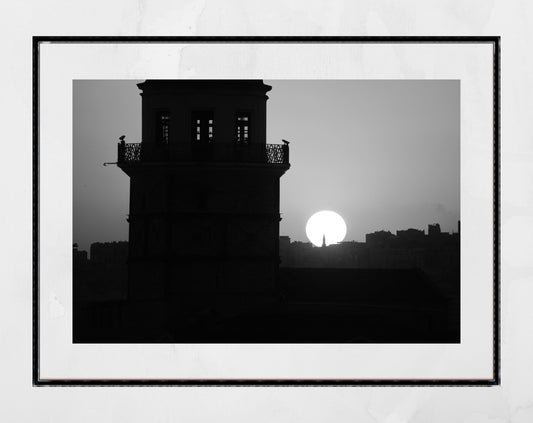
[(130, 152), (277, 153), (211, 152)]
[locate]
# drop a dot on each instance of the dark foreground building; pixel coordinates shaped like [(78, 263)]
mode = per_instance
[(204, 203), (203, 255)]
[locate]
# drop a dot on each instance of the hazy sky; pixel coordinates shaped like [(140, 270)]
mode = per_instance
[(382, 154)]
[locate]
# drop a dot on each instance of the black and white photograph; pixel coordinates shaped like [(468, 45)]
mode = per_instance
[(266, 211), (313, 212)]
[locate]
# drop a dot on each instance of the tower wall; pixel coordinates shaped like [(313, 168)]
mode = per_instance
[(209, 231), (204, 229), (223, 99)]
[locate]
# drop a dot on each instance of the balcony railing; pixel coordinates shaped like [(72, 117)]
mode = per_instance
[(131, 153)]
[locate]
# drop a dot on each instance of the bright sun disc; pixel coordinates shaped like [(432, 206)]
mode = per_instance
[(326, 224)]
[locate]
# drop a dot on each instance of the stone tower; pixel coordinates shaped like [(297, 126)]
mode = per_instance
[(204, 201)]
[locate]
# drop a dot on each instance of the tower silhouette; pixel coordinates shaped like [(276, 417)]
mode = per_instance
[(204, 201)]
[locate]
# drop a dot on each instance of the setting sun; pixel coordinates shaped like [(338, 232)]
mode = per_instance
[(325, 226)]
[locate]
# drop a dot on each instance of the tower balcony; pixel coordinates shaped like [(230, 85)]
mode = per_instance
[(223, 152)]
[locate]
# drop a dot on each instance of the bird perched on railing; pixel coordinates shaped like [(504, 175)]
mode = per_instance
[(122, 138)]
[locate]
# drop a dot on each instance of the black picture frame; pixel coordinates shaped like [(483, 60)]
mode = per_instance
[(495, 380)]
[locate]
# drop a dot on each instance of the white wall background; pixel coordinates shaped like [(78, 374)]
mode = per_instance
[(513, 401)]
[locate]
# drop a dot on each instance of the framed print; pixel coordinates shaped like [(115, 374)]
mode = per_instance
[(266, 211)]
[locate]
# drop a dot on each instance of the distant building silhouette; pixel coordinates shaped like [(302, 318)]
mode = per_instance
[(378, 238), (204, 200), (79, 256), (103, 276), (382, 250), (109, 252), (434, 230)]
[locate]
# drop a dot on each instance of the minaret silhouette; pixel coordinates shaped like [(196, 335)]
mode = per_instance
[(323, 240)]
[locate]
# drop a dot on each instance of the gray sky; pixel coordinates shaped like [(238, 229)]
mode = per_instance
[(382, 154)]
